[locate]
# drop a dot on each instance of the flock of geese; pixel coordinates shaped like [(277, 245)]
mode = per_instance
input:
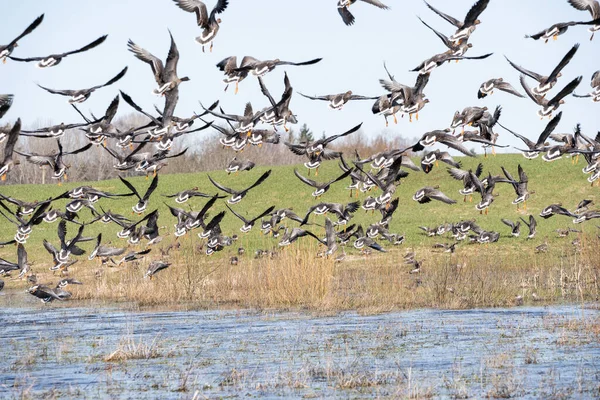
[(147, 149)]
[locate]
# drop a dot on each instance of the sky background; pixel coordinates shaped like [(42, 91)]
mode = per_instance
[(297, 31)]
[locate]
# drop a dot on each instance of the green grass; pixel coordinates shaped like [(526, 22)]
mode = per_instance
[(558, 182)]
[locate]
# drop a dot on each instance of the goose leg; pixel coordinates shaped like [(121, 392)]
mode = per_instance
[(395, 119), (486, 211), (417, 116), (470, 198), (386, 122), (409, 117), (236, 87), (211, 46), (555, 37)]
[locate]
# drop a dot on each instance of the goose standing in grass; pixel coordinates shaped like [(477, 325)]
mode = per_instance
[(208, 23), (142, 204), (549, 106), (54, 160), (534, 148), (487, 88), (520, 187), (546, 83), (428, 193), (8, 161), (594, 94), (6, 101), (238, 195), (249, 223), (338, 101), (155, 267), (515, 228), (532, 225), (344, 5), (593, 6), (320, 188), (164, 74), (7, 49), (55, 59), (466, 27), (81, 95)]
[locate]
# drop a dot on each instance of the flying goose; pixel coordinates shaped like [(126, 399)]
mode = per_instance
[(8, 162), (594, 94), (81, 95), (555, 209), (437, 60), (342, 211), (515, 228), (21, 265), (534, 148), (133, 256), (165, 75), (142, 204), (7, 49), (261, 68), (428, 193), (101, 251), (409, 100), (487, 88), (520, 187), (156, 266), (344, 5), (278, 113), (532, 225), (363, 241), (593, 6), (208, 22), (430, 159), (469, 187), (54, 160), (24, 227), (232, 74), (549, 106), (236, 166), (248, 224), (55, 59), (458, 48), (238, 195), (320, 188), (466, 27), (558, 29), (292, 235), (338, 101), (331, 239), (546, 83), (6, 101)]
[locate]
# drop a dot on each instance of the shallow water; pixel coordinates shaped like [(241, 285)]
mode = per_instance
[(519, 352)]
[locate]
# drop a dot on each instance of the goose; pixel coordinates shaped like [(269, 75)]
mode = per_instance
[(546, 83), (7, 49), (100, 251), (164, 74), (236, 165), (81, 95), (594, 94), (142, 204), (208, 22), (487, 88), (467, 116), (279, 113), (430, 159), (427, 66), (292, 235), (320, 188), (444, 137), (97, 132), (128, 161), (21, 265), (458, 48), (565, 232), (515, 228), (593, 6), (344, 5), (487, 192), (44, 293), (261, 68), (428, 193), (583, 206), (534, 148), (54, 131), (555, 209), (185, 195), (409, 100), (155, 267), (8, 162), (331, 239), (520, 187), (363, 243), (532, 225), (558, 29), (24, 227), (387, 184), (54, 160), (133, 256), (469, 187), (344, 212), (232, 74), (586, 216), (55, 59), (549, 106), (466, 27), (248, 224), (317, 150), (245, 122), (6, 101), (238, 195), (338, 101)]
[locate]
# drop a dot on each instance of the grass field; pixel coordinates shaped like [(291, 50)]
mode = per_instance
[(296, 278)]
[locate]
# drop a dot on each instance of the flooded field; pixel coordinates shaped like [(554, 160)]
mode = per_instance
[(60, 352)]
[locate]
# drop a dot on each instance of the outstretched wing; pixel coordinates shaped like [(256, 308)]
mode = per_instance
[(87, 47), (28, 30)]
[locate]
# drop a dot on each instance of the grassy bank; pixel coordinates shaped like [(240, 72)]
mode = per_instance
[(475, 276)]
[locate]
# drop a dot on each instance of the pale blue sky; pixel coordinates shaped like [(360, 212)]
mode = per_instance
[(297, 31)]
